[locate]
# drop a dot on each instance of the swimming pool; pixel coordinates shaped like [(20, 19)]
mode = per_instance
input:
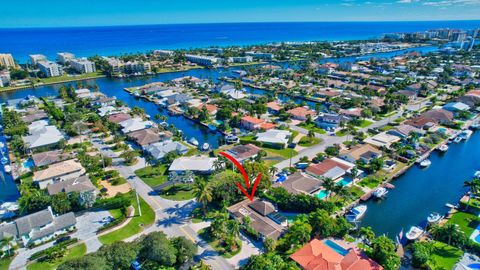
[(28, 164), (322, 194), (474, 266), (340, 250), (475, 236), (345, 181)]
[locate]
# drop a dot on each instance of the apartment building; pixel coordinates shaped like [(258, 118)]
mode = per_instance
[(83, 65), (65, 57), (6, 60), (50, 69)]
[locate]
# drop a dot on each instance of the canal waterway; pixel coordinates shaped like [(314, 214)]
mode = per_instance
[(421, 191)]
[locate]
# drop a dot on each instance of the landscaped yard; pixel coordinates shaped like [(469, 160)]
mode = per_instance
[(466, 221), (364, 123), (312, 127), (214, 243), (153, 175), (444, 256), (274, 156), (308, 141), (5, 263), (73, 253), (370, 182), (134, 226), (179, 192)]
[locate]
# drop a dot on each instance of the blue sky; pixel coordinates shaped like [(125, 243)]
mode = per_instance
[(122, 12)]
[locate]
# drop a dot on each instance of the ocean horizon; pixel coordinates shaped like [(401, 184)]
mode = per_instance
[(115, 40)]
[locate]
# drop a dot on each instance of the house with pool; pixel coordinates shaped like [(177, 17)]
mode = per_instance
[(336, 169)]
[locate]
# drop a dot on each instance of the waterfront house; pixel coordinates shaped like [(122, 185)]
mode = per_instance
[(332, 254), (118, 117), (197, 164), (160, 149), (144, 137), (84, 93), (274, 137), (456, 107), (273, 107), (34, 115), (134, 124), (333, 168), (79, 184), (50, 157), (363, 152), (403, 131), (410, 95), (38, 227), (431, 118), (351, 112), (251, 123), (41, 134), (56, 172), (211, 109), (263, 216), (382, 140), (229, 90), (243, 152), (330, 121), (301, 183), (301, 113)]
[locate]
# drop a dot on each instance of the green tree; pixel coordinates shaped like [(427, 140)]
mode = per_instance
[(156, 247), (383, 252), (203, 193), (88, 262), (119, 255), (186, 249), (61, 203)]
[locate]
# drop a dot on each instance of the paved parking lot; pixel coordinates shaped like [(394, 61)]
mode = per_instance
[(87, 226)]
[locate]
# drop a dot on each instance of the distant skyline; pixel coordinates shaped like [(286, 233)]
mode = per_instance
[(56, 13)]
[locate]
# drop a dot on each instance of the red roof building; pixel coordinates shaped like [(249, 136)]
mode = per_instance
[(320, 255), (251, 123), (301, 113), (119, 117)]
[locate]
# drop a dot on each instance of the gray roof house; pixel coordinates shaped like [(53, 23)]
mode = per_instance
[(79, 184), (38, 227), (160, 149), (200, 164), (42, 134)]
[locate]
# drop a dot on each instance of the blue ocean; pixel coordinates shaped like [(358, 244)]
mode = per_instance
[(87, 41)]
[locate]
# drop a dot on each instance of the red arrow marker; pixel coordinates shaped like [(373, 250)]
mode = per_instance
[(245, 177)]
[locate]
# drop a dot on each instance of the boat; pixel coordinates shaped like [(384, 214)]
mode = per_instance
[(212, 127), (449, 205), (476, 174), (356, 213), (4, 160), (466, 134), (414, 233), (458, 139), (136, 94), (434, 217), (2, 145), (443, 148), (205, 147), (193, 141), (380, 192), (425, 163), (164, 124), (475, 125), (232, 139), (7, 169)]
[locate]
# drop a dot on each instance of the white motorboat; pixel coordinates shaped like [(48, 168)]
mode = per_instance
[(193, 141), (458, 139), (380, 192), (425, 163), (232, 139), (434, 217), (475, 125), (7, 169), (2, 145), (466, 134), (414, 233), (476, 174), (356, 213), (443, 148), (205, 147), (4, 160)]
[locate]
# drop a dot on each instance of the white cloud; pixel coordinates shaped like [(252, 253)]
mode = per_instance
[(445, 3)]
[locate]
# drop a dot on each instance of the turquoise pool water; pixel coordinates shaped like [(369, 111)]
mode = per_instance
[(322, 194), (345, 182), (340, 250), (28, 164)]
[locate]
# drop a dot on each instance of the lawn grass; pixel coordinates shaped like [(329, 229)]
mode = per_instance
[(73, 253), (308, 141), (5, 263), (214, 243), (179, 192), (153, 175), (312, 127), (134, 226), (444, 256), (467, 222), (356, 192), (284, 153), (66, 78), (370, 182), (116, 213), (341, 133), (364, 123)]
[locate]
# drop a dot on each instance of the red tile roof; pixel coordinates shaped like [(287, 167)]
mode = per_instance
[(324, 166), (252, 120), (318, 256), (119, 117), (301, 112)]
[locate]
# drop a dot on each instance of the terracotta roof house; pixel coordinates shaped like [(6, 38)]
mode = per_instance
[(50, 157), (58, 172), (330, 255), (119, 117), (144, 137), (301, 113), (333, 168), (263, 216), (301, 183), (211, 109), (404, 131), (80, 184), (273, 107), (243, 152), (431, 118), (363, 152), (353, 112), (251, 123)]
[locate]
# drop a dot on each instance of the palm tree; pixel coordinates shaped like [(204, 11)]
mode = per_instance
[(367, 233), (342, 191), (218, 164), (329, 185), (447, 232), (354, 172), (273, 171), (474, 186), (203, 193)]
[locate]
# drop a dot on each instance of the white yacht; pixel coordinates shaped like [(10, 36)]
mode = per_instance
[(7, 169), (414, 233), (458, 139), (466, 134), (434, 217), (193, 141), (356, 213), (425, 163), (232, 139), (380, 192), (443, 148), (4, 160), (476, 174), (205, 147)]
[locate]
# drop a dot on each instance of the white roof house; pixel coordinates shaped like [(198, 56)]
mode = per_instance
[(42, 134), (160, 149), (84, 93), (134, 124), (382, 140), (456, 107), (196, 163), (274, 136)]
